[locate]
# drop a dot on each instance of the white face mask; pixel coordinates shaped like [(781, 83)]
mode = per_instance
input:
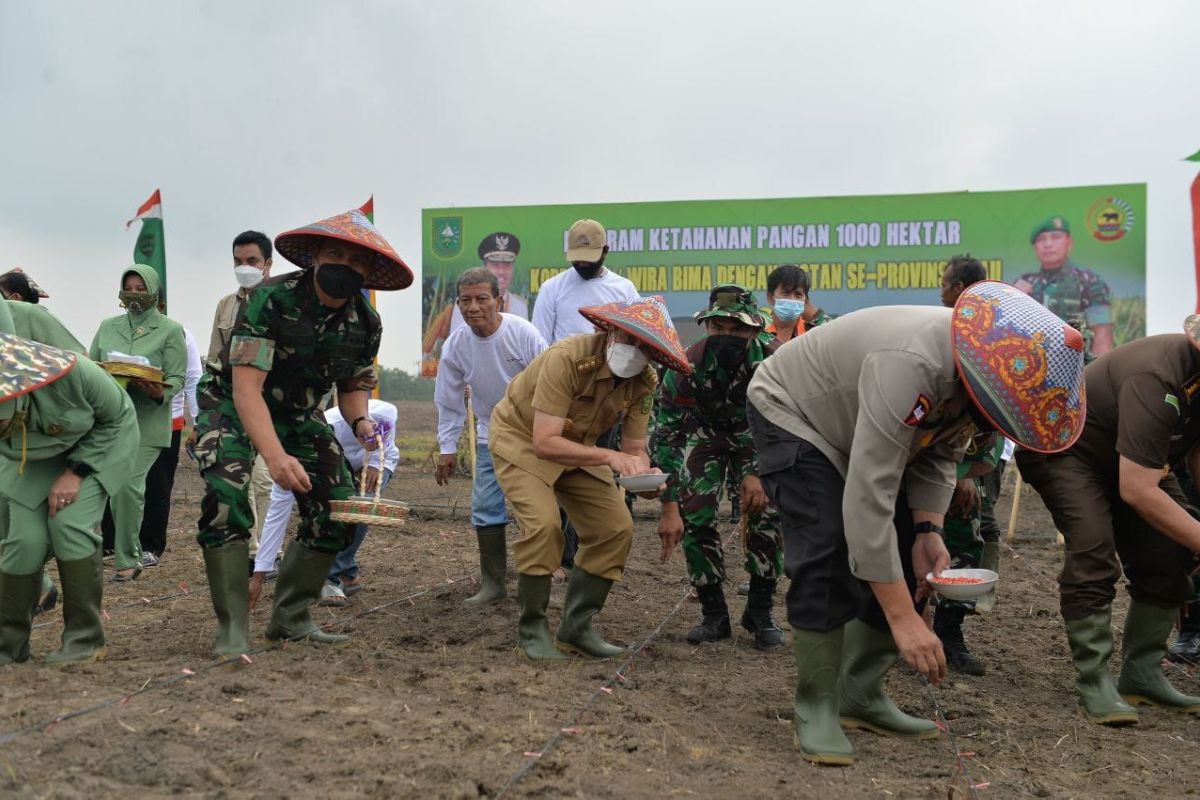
[(625, 360), (248, 277)]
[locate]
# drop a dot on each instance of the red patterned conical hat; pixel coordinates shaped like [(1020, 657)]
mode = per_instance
[(647, 320), (389, 272), (1022, 365)]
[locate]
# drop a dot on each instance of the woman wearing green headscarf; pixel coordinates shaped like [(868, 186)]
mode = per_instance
[(141, 331)]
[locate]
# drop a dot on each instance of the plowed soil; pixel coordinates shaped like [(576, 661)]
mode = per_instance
[(430, 700)]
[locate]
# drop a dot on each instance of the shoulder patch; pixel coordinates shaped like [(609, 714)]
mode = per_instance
[(1173, 402), (647, 403), (919, 412)]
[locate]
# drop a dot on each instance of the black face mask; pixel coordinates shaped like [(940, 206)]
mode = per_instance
[(729, 351), (588, 271), (982, 423), (339, 281)]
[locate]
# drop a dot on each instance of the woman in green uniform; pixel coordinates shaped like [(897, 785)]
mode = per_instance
[(141, 331), (68, 439)]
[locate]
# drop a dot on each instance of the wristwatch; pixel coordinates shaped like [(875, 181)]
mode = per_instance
[(81, 469), (929, 527)]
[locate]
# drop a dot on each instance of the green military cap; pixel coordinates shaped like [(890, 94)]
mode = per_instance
[(1053, 223), (733, 301)]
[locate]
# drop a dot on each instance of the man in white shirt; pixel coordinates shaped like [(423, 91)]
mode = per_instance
[(556, 315), (160, 480), (343, 580), (587, 283), (482, 357)]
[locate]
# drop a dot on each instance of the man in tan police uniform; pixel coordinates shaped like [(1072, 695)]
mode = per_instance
[(542, 439), (859, 426)]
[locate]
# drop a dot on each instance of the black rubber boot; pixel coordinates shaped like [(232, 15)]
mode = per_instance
[(714, 615), (757, 616), (18, 597), (301, 577), (1187, 644), (947, 624)]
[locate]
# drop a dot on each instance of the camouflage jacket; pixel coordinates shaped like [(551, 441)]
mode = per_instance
[(1074, 293), (709, 403), (985, 447), (304, 347)]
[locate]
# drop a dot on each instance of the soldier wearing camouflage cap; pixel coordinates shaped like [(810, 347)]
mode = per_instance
[(299, 336), (1074, 293), (703, 438)]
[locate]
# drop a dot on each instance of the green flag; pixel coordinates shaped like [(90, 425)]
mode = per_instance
[(150, 248), (1194, 156)]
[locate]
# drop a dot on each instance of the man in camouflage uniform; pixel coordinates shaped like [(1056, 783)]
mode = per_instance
[(1074, 293), (300, 335), (703, 439)]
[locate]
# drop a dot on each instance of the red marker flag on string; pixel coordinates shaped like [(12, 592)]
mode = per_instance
[(1196, 225)]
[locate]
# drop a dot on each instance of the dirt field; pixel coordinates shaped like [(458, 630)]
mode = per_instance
[(431, 701)]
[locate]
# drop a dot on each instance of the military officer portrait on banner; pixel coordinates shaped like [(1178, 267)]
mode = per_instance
[(1075, 293)]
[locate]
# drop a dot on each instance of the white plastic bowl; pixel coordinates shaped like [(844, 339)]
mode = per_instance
[(643, 483), (964, 591)]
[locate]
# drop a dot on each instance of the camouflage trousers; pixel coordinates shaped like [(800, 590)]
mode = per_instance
[(708, 461), (226, 456)]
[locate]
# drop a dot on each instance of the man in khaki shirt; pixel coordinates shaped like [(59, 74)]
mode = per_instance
[(251, 265), (859, 426), (542, 439)]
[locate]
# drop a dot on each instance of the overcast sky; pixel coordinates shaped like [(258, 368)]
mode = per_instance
[(270, 115)]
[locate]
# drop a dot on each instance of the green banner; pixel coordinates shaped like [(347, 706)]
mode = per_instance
[(860, 251)]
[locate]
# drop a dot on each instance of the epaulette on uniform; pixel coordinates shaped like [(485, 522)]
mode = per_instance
[(588, 364)]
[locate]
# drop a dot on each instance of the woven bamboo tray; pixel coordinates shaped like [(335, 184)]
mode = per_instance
[(119, 369), (363, 509)]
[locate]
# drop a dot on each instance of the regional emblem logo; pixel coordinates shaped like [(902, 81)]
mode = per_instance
[(1109, 219), (447, 233)]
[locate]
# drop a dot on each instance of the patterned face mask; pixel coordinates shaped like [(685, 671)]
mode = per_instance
[(137, 302)]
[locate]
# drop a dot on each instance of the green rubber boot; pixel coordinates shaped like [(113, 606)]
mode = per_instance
[(867, 655), (533, 629), (586, 594), (816, 731), (18, 597), (1142, 682), (1091, 647), (230, 590), (493, 563), (82, 592), (301, 576)]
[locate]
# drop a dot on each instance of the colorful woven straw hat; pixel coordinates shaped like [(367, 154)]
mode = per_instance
[(26, 365), (648, 320), (1022, 366), (299, 246), (734, 302)]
